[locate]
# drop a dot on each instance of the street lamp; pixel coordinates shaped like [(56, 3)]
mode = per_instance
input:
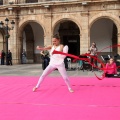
[(7, 28)]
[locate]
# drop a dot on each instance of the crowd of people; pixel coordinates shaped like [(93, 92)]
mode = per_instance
[(48, 59), (57, 61), (6, 56), (110, 69)]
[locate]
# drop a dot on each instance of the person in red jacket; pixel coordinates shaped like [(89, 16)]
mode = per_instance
[(111, 68), (2, 57)]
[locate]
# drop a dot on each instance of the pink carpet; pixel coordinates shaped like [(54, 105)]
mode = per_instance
[(92, 99)]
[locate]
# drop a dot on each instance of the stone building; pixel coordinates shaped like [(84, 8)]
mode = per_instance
[(78, 22)]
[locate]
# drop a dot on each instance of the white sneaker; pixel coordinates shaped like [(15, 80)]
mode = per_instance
[(71, 90), (34, 89)]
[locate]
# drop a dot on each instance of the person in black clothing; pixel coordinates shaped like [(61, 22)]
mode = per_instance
[(66, 63), (65, 59), (2, 57), (9, 58), (24, 57), (45, 58)]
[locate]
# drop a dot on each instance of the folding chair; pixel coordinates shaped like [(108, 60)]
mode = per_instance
[(105, 58), (85, 64)]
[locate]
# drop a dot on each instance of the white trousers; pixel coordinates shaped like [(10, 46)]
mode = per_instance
[(49, 69)]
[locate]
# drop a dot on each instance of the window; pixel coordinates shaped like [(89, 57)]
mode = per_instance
[(31, 1), (1, 2)]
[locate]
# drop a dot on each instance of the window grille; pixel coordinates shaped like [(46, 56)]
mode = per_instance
[(31, 1)]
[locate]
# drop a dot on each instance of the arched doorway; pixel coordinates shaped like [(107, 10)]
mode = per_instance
[(33, 35), (104, 33), (69, 34), (2, 41)]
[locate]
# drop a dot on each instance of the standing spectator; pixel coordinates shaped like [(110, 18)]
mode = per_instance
[(24, 57), (66, 63), (45, 58), (9, 58), (93, 52), (65, 60), (2, 57)]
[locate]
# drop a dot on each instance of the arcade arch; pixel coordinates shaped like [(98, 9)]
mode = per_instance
[(32, 35), (104, 32), (70, 35)]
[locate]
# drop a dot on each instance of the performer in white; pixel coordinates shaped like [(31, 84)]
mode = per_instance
[(56, 62)]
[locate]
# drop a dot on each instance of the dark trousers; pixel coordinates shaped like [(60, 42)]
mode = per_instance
[(45, 62), (93, 61), (2, 61), (112, 75), (66, 63), (9, 62), (109, 75)]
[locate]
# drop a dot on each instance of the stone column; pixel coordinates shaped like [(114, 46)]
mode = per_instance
[(48, 28), (18, 50), (15, 42), (85, 37), (118, 43)]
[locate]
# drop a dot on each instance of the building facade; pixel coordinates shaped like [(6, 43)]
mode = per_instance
[(78, 22)]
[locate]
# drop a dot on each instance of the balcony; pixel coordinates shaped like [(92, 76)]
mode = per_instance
[(35, 1), (3, 2)]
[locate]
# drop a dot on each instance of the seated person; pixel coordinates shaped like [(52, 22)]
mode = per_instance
[(111, 69), (81, 63)]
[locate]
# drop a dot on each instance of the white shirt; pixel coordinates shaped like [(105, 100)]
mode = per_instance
[(57, 59), (93, 50)]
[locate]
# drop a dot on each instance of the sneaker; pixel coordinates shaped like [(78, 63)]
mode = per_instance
[(34, 89)]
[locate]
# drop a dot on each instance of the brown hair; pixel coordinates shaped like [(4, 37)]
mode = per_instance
[(94, 44), (56, 36), (111, 59)]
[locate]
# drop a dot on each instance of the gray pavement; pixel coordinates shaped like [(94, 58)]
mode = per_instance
[(36, 70)]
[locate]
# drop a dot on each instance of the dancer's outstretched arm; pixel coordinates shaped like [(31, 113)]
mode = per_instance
[(44, 48)]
